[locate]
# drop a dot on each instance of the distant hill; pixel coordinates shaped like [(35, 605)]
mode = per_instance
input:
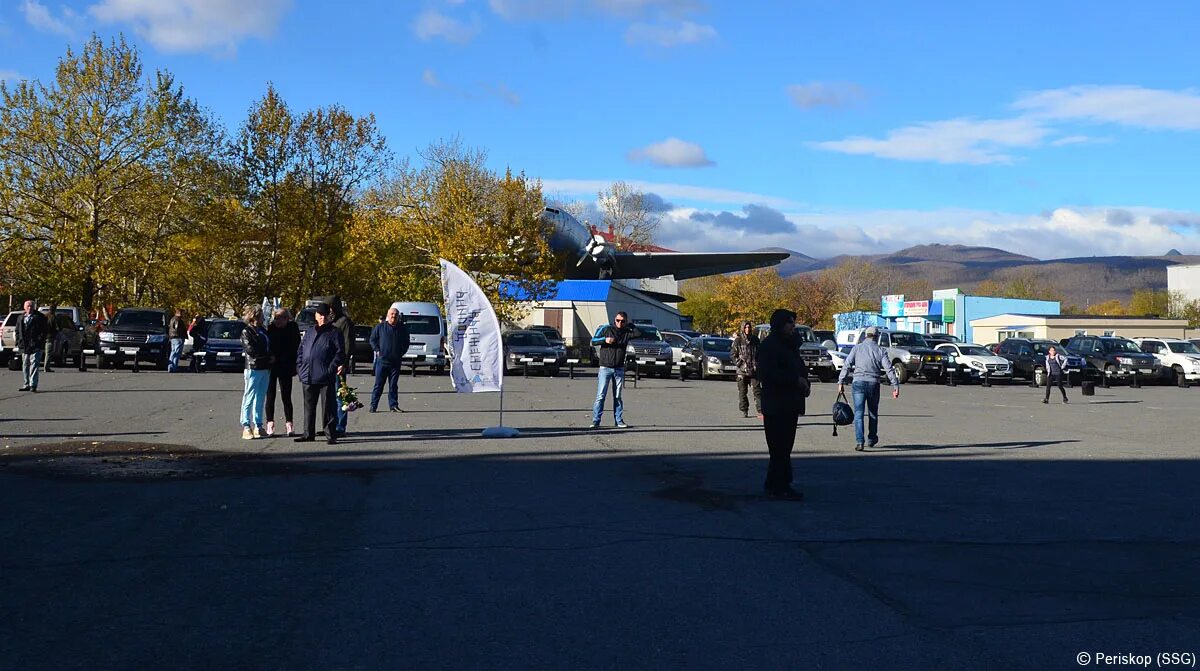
[(1083, 281), (1173, 252), (796, 263)]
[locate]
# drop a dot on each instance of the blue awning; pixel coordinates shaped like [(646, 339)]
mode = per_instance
[(580, 291)]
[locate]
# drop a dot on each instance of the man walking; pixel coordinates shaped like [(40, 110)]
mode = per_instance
[(867, 359), (177, 332), (389, 341), (31, 339), (51, 337), (1056, 366), (784, 379), (345, 327), (613, 341), (743, 352)]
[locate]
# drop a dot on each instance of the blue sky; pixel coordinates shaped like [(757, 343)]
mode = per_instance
[(1050, 129)]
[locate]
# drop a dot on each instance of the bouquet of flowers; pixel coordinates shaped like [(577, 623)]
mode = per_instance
[(346, 397)]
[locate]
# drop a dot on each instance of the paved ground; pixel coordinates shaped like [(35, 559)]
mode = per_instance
[(986, 531)]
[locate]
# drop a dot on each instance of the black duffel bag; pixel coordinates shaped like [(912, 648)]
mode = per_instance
[(843, 414)]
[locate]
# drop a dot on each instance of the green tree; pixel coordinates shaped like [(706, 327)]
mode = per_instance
[(1147, 302)]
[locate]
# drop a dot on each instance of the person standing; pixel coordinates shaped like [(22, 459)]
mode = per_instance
[(284, 336), (1056, 367), (31, 341), (318, 365), (784, 379), (743, 353), (52, 336), (867, 359), (198, 329), (613, 341), (345, 327), (389, 341), (177, 333), (256, 351)]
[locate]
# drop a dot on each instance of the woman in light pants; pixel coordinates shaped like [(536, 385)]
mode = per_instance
[(256, 350)]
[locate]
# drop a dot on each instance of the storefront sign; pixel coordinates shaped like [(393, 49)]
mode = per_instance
[(916, 308), (892, 306)]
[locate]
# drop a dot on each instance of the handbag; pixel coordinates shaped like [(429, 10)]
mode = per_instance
[(843, 414)]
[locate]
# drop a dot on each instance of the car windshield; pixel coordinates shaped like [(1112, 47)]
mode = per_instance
[(908, 340), (528, 339), (1183, 348), (423, 324), (550, 333), (1044, 347), (648, 332), (717, 344), (139, 319), (972, 350), (805, 334), (230, 330), (306, 317), (1121, 345), (12, 318)]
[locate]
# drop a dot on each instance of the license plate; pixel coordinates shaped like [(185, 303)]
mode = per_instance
[(535, 363), (731, 369), (109, 351), (417, 346), (129, 350), (549, 360), (221, 354), (1146, 371)]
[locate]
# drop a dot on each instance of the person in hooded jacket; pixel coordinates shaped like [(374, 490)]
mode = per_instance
[(784, 379), (743, 352), (285, 344), (389, 341), (345, 327), (318, 365), (256, 351)]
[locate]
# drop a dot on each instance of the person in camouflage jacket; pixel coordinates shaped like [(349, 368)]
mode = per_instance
[(743, 352)]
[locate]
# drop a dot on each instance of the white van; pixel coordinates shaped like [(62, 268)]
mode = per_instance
[(426, 333)]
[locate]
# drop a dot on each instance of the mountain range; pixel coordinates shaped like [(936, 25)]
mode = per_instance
[(1082, 281)]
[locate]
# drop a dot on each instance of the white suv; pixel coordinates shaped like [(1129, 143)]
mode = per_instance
[(1177, 356), (977, 360)]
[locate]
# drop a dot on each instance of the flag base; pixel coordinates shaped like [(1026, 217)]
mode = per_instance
[(501, 432)]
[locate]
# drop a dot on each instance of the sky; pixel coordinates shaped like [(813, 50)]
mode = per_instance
[(1050, 129)]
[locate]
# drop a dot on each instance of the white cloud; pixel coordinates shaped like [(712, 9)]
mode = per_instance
[(825, 94), (195, 25), (635, 8), (40, 17), (534, 10), (702, 194), (954, 141), (504, 93), (10, 76), (669, 36), (431, 79), (1079, 139), (672, 153), (432, 24), (1125, 105)]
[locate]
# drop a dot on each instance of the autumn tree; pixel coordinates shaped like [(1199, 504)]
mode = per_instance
[(629, 215), (452, 207), (856, 284), (1110, 308), (1150, 303), (99, 172)]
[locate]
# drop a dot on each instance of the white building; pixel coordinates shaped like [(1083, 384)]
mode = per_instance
[(1184, 279)]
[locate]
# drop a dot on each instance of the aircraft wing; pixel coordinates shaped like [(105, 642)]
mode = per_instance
[(685, 265)]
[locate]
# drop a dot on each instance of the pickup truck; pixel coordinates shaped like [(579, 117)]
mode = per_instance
[(910, 354), (816, 357)]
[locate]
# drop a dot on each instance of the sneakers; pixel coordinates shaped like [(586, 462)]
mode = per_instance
[(23, 389), (258, 432), (247, 434), (288, 426), (372, 410), (872, 443), (1045, 400), (1065, 401), (396, 409), (270, 429), (860, 447), (622, 425), (594, 425)]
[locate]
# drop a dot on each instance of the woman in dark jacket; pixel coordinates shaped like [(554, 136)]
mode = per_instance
[(285, 346), (318, 366), (256, 350)]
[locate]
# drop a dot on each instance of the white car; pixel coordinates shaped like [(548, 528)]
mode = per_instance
[(1178, 357), (973, 360), (677, 341)]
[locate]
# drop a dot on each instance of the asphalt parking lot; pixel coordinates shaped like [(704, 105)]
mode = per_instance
[(985, 531)]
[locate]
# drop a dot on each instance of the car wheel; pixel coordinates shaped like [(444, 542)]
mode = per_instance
[(1039, 377), (703, 375), (901, 372)]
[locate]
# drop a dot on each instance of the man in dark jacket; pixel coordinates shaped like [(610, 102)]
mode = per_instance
[(318, 364), (176, 334), (784, 379), (31, 339), (613, 340), (389, 341), (51, 337), (345, 327), (743, 351)]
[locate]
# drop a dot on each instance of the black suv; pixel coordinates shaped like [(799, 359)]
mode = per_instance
[(1028, 359), (140, 331), (1114, 356)]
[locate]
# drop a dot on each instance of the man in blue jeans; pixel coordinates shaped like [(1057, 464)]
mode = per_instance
[(612, 340), (389, 341), (868, 361)]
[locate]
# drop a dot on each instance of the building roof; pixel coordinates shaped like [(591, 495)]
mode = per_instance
[(1064, 317), (580, 291)]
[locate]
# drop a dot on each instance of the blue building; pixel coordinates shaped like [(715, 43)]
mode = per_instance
[(951, 311)]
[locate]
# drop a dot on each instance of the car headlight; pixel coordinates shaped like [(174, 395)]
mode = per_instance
[(713, 359), (976, 365), (107, 336), (911, 357)]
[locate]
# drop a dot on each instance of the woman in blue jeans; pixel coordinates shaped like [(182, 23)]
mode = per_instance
[(256, 350)]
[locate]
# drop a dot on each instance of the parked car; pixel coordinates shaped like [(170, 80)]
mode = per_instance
[(710, 357), (361, 353), (824, 334), (1114, 356), (993, 347), (910, 354), (687, 333), (426, 334), (532, 345), (649, 351), (814, 354), (974, 361), (223, 350), (8, 340), (935, 339), (71, 339), (1028, 359), (135, 331), (1177, 357), (555, 339), (678, 343)]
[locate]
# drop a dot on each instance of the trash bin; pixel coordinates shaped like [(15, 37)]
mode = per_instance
[(1088, 387)]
